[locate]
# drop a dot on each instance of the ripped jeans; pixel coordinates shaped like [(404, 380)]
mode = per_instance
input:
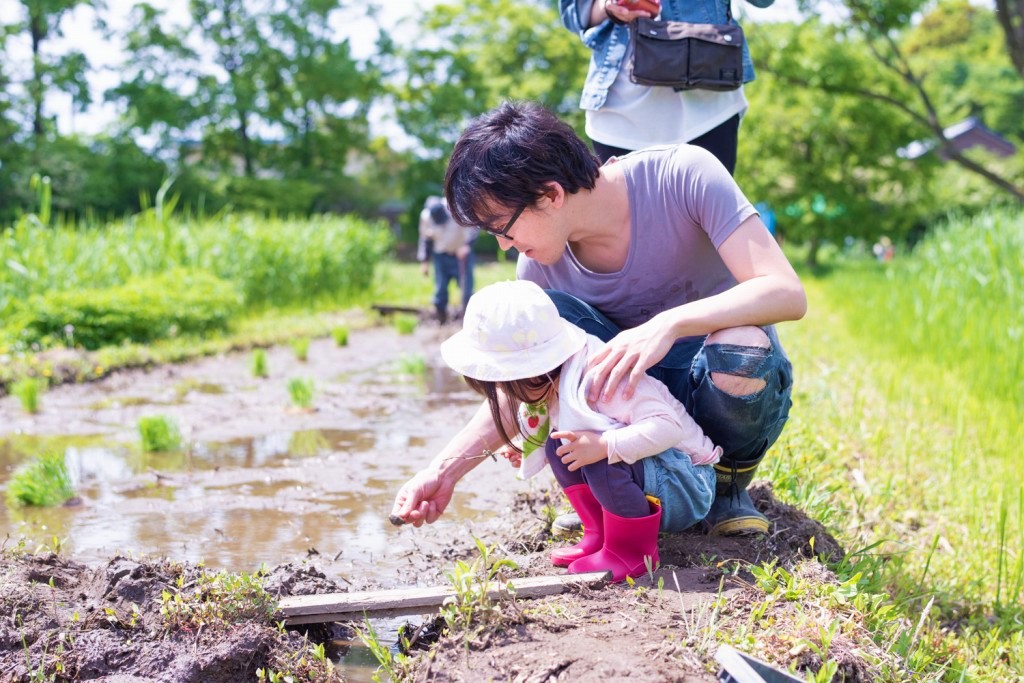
[(744, 426)]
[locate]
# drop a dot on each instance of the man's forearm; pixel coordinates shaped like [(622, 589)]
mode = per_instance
[(467, 449)]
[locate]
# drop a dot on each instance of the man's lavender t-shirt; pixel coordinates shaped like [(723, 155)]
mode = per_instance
[(683, 205)]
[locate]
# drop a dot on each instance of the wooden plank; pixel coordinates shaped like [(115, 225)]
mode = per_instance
[(386, 309), (315, 609)]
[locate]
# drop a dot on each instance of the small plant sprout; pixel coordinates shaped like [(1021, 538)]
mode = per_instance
[(259, 363), (412, 365), (405, 323), (43, 481), (301, 348), (159, 434), (301, 392), (27, 391), (340, 334)]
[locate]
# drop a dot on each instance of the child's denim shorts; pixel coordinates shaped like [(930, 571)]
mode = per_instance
[(684, 489)]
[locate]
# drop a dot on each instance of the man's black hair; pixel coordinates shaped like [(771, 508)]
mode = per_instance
[(506, 158)]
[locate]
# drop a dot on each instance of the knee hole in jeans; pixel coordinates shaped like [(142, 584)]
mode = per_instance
[(734, 385)]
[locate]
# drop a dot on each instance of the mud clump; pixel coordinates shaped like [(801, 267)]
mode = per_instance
[(140, 619)]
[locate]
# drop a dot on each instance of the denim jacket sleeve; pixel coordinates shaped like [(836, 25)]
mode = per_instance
[(608, 41)]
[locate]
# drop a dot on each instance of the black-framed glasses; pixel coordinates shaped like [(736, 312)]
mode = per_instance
[(508, 226)]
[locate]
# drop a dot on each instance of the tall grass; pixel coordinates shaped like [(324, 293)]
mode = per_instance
[(905, 437), (272, 261), (957, 304)]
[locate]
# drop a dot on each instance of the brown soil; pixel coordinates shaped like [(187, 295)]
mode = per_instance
[(79, 622), (62, 619)]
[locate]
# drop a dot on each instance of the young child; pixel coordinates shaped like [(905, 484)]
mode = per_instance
[(629, 468)]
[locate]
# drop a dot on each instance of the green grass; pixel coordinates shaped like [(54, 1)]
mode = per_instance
[(42, 481), (300, 347), (259, 363), (301, 392), (915, 467), (393, 282), (340, 335), (405, 323), (414, 364), (271, 262), (159, 434), (27, 392)]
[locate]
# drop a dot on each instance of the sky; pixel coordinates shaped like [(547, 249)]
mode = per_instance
[(104, 56)]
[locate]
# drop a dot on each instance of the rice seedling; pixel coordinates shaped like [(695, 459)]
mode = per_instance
[(43, 481), (405, 323), (301, 392), (301, 348), (259, 363), (414, 364), (27, 391), (159, 433), (340, 335)]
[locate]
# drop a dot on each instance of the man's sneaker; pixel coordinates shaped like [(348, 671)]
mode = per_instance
[(567, 526)]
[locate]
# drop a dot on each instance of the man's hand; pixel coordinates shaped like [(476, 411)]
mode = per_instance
[(425, 268), (625, 359), (423, 498), (584, 448)]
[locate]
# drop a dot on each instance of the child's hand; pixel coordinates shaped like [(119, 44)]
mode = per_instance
[(583, 448), (514, 457)]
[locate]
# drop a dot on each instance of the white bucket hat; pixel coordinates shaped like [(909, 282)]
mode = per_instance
[(511, 330)]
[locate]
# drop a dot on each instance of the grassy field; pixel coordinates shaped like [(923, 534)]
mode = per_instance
[(905, 438)]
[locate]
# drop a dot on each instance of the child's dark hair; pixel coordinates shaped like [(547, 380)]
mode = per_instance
[(517, 391)]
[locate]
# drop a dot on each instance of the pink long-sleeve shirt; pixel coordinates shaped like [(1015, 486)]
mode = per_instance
[(650, 422)]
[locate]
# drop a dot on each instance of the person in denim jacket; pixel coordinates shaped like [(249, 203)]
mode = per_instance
[(623, 116)]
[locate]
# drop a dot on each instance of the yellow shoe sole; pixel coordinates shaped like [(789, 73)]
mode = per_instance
[(738, 526)]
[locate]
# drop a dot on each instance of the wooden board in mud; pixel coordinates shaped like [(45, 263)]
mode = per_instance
[(315, 609)]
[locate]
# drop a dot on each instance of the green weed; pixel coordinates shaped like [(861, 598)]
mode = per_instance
[(27, 391), (405, 323), (310, 663), (300, 347), (159, 433), (301, 392), (340, 335), (414, 364), (259, 363), (216, 601), (473, 610), (43, 481), (394, 667)]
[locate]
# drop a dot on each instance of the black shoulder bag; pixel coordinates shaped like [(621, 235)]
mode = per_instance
[(684, 56)]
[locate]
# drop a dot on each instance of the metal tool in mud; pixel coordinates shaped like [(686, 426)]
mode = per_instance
[(398, 521)]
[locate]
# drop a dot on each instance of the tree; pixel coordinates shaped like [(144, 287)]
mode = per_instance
[(158, 69), (65, 73), (1011, 18), (879, 25), (473, 55), (316, 91), (827, 163)]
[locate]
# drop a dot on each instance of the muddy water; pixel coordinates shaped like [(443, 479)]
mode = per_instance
[(258, 481)]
